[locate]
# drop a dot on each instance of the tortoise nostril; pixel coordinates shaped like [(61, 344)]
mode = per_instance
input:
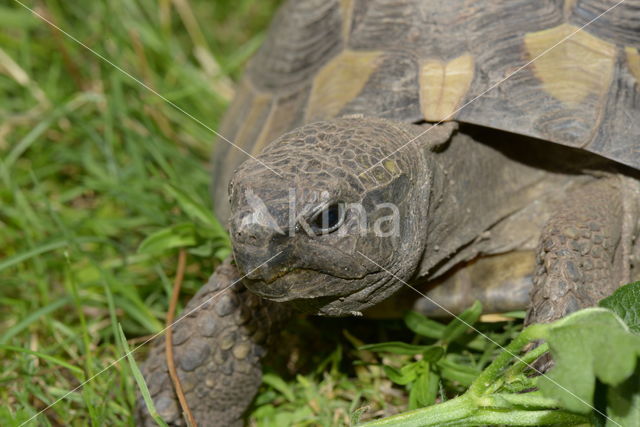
[(252, 234)]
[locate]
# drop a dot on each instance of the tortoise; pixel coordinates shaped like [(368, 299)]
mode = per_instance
[(493, 147)]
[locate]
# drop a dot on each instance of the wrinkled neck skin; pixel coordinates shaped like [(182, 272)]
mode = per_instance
[(481, 197)]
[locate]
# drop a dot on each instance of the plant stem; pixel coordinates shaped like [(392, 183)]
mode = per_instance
[(532, 399), (526, 360), (452, 410), (461, 411), (521, 418), (492, 372), (480, 406)]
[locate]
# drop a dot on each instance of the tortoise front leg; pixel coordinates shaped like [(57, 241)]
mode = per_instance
[(584, 250), (217, 354)]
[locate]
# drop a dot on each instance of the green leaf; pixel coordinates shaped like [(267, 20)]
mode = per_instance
[(396, 347), (456, 372), (190, 206), (584, 345), (517, 314), (625, 302), (426, 389), (32, 253), (399, 377), (433, 353), (413, 399), (279, 384), (222, 252), (462, 323), (175, 236), (624, 402), (195, 210), (204, 250), (137, 375), (422, 325)]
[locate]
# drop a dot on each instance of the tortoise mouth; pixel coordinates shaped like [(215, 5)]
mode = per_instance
[(304, 284), (288, 285), (323, 294)]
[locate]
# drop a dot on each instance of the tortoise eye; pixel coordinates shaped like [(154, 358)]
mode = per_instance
[(328, 220)]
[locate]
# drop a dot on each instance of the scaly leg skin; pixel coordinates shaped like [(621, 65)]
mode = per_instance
[(217, 353), (584, 252)]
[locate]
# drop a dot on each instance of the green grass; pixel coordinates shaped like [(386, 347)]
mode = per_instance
[(87, 156)]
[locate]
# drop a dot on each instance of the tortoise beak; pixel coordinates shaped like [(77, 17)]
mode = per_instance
[(295, 263), (312, 255), (284, 258)]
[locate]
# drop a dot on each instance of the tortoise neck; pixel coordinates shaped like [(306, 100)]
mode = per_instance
[(474, 186)]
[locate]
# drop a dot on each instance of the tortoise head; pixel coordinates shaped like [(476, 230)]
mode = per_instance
[(331, 220)]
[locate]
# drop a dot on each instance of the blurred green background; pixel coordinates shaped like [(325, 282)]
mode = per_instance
[(92, 163)]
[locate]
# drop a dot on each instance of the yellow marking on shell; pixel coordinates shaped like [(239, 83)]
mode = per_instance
[(580, 66), (633, 59), (444, 85), (346, 11), (391, 166), (339, 82)]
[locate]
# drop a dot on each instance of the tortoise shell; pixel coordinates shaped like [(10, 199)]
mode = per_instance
[(565, 71)]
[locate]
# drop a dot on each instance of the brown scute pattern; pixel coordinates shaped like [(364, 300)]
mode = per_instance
[(561, 122), (623, 122), (301, 44), (620, 25), (382, 24), (576, 256), (303, 36), (514, 103), (319, 152), (502, 25), (398, 76), (424, 28), (217, 351), (600, 124)]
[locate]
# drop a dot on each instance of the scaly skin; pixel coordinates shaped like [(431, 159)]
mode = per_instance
[(583, 255), (217, 354), (580, 256)]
